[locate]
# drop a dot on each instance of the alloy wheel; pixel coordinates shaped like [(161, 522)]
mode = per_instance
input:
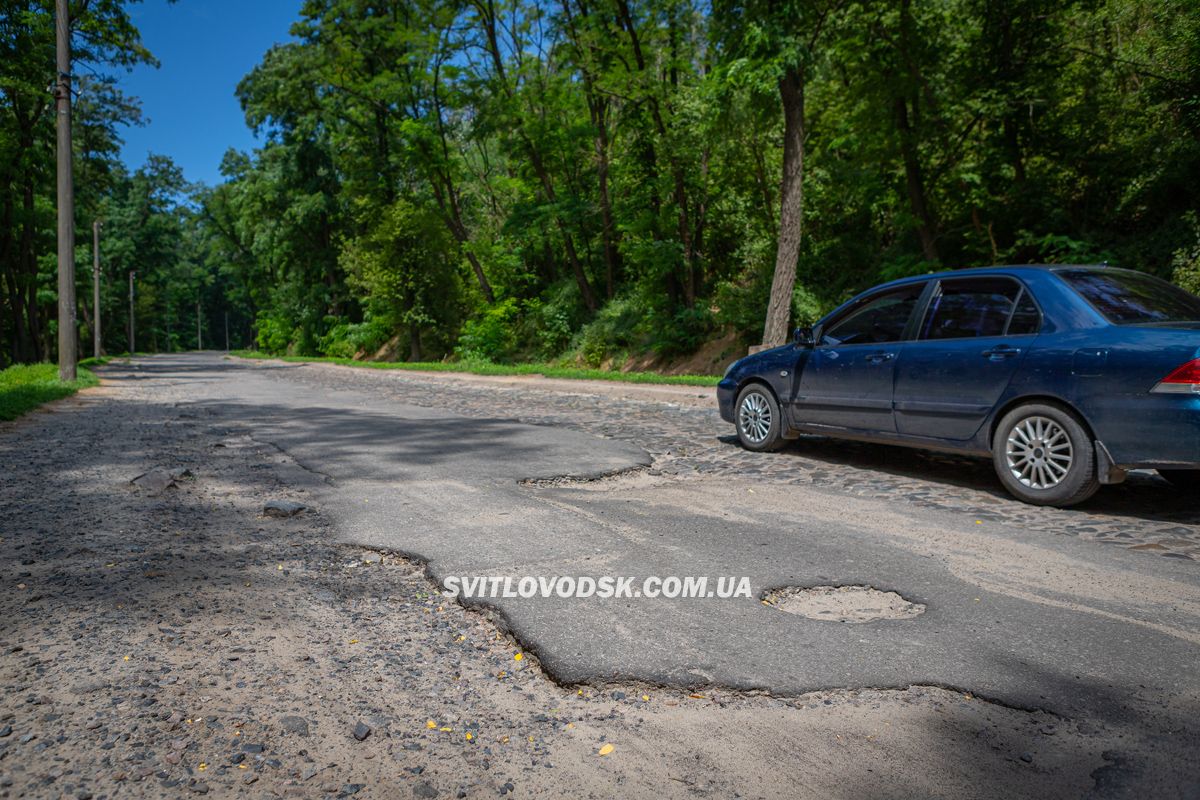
[(754, 418), (1039, 453)]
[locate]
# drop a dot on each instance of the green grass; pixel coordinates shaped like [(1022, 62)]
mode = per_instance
[(26, 386), (485, 368)]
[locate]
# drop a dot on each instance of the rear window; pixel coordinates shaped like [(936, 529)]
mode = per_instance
[(967, 308), (1133, 298)]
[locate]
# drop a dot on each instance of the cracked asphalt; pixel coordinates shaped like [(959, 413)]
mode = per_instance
[(1083, 623)]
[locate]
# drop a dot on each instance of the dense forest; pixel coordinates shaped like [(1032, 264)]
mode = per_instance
[(610, 183)]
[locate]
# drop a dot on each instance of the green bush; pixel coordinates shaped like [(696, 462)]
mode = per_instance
[(347, 340), (807, 308), (491, 336), (1186, 264), (274, 333), (615, 329), (683, 333)]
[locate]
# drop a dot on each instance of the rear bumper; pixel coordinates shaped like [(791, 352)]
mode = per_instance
[(1150, 432), (726, 391)]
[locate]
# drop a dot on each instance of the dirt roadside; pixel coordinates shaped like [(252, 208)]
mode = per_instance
[(163, 643)]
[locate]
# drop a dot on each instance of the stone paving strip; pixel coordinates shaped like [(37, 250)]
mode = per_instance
[(681, 428)]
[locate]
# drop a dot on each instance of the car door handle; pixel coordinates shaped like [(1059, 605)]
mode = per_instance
[(1002, 352), (879, 358)]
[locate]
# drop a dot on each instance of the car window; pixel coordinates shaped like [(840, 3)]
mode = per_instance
[(1026, 318), (1133, 298), (973, 307), (882, 318)]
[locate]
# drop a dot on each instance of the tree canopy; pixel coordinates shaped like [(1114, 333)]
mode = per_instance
[(508, 179)]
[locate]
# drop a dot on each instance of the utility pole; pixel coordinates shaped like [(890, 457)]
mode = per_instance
[(67, 334), (132, 349), (226, 331), (96, 288), (199, 344)]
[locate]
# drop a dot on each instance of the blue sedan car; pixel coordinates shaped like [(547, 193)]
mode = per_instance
[(1067, 377)]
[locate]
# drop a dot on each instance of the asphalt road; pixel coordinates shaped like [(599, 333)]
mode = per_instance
[(1019, 616)]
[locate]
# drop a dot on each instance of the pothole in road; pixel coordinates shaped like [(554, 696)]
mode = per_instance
[(853, 604)]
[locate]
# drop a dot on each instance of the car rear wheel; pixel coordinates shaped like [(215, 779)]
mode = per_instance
[(1186, 479), (1044, 456), (759, 423)]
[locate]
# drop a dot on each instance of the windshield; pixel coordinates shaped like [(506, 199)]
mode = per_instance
[(1133, 298)]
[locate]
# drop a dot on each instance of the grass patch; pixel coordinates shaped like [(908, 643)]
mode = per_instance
[(26, 386), (487, 368)]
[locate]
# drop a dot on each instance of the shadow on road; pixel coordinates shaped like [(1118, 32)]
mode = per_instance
[(1144, 496)]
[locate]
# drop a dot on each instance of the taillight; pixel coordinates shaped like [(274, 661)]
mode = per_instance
[(1185, 380)]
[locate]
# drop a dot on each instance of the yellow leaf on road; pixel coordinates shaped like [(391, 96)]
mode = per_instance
[(430, 724), (608, 748)]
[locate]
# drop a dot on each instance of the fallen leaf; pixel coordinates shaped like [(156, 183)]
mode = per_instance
[(430, 724), (608, 748), (518, 657)]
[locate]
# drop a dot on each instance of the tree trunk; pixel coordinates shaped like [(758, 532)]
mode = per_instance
[(447, 201), (927, 225), (612, 255), (791, 209), (415, 352)]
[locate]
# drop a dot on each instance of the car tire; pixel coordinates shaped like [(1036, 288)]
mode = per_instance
[(1045, 456), (758, 420), (1187, 480)]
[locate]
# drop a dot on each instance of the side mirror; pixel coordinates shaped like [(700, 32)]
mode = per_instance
[(803, 337)]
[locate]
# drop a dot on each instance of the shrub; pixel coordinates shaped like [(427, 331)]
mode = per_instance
[(347, 340), (491, 336), (274, 333), (1186, 264)]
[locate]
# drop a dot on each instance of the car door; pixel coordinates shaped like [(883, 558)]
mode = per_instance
[(847, 381), (973, 336)]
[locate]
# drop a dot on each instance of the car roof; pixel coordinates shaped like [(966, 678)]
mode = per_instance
[(999, 269)]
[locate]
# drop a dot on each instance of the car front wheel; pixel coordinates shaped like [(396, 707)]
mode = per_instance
[(759, 423), (1044, 456)]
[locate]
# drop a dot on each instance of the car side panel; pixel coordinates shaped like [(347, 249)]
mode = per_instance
[(1106, 375), (946, 389)]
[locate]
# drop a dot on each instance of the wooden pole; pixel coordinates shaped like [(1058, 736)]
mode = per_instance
[(132, 348), (96, 288), (67, 334)]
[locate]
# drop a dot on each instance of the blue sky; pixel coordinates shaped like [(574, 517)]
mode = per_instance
[(206, 47)]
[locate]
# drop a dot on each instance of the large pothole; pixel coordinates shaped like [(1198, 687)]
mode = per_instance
[(853, 604)]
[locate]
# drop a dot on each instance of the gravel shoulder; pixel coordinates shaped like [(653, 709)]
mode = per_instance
[(162, 641)]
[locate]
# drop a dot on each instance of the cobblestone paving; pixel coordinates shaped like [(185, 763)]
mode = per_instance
[(690, 442)]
